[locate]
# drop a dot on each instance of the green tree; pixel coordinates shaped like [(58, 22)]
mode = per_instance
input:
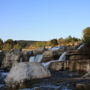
[(10, 41), (86, 35), (54, 42), (1, 44)]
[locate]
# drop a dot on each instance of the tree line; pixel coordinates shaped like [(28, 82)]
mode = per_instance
[(10, 44)]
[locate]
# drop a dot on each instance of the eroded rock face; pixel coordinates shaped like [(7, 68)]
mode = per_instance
[(22, 72), (56, 66), (51, 55), (11, 57), (48, 55), (39, 50)]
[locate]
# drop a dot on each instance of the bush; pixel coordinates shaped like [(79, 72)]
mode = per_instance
[(86, 35)]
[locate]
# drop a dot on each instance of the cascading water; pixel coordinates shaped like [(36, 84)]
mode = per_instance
[(21, 59), (62, 58), (82, 45), (37, 58), (32, 59)]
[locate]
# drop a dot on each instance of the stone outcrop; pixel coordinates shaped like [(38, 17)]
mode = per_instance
[(11, 57), (75, 61), (39, 50), (51, 55), (22, 72), (56, 66)]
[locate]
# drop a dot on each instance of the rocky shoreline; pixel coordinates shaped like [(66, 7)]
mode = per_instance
[(52, 69)]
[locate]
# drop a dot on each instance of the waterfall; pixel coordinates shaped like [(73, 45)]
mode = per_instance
[(63, 57), (82, 45), (21, 59), (37, 58), (32, 59), (47, 64)]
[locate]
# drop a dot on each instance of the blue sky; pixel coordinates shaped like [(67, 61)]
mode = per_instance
[(43, 19)]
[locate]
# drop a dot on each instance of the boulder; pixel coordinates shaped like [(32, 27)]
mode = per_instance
[(39, 50), (25, 56), (56, 66), (11, 57), (48, 55), (22, 72)]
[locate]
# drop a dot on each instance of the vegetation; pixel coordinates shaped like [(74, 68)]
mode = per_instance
[(68, 40), (1, 44), (10, 44), (20, 44), (86, 35), (54, 42)]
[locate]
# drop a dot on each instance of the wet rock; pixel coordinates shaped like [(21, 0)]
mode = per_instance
[(22, 72)]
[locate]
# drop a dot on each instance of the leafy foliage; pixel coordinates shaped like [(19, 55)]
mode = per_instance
[(1, 44), (86, 35), (54, 42)]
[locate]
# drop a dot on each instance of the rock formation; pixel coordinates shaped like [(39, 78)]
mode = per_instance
[(22, 72)]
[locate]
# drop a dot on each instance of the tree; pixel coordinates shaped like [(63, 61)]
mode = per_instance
[(86, 35), (9, 44), (10, 41), (54, 42), (1, 44)]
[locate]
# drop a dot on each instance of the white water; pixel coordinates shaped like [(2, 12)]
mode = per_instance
[(62, 58), (21, 59), (31, 59), (54, 48), (37, 58), (82, 45), (3, 74)]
